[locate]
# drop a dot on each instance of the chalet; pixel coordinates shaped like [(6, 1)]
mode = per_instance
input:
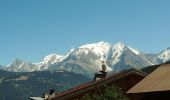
[(36, 98), (156, 86), (45, 96), (125, 80)]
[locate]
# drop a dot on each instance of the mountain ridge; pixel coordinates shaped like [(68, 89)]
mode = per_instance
[(88, 58)]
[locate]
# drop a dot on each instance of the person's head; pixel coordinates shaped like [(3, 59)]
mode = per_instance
[(103, 67)]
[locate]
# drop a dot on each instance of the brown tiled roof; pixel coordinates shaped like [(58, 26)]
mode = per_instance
[(91, 85), (158, 80)]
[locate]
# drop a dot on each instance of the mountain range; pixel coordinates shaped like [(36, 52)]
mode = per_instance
[(88, 58)]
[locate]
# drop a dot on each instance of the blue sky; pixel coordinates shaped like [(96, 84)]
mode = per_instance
[(32, 29)]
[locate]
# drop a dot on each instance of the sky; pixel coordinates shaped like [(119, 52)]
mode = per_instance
[(33, 29)]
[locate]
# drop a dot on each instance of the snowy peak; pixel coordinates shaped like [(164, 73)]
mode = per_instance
[(136, 51), (21, 66), (16, 62), (165, 55), (119, 46), (118, 49), (52, 58), (48, 60), (99, 48), (98, 45)]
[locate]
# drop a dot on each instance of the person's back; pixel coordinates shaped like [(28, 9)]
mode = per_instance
[(102, 73)]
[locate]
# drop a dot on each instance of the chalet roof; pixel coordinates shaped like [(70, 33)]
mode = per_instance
[(36, 98), (158, 80), (90, 85)]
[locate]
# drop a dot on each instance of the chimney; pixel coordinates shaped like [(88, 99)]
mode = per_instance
[(45, 95), (51, 93)]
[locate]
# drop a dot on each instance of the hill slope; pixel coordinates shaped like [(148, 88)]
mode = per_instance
[(20, 86)]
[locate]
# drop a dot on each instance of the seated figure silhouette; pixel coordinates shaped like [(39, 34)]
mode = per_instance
[(101, 74)]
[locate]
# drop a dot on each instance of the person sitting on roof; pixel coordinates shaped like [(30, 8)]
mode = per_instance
[(102, 73)]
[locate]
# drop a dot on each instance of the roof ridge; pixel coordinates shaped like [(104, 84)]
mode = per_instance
[(112, 77)]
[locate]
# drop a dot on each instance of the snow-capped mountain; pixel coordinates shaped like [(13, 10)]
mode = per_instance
[(52, 58), (88, 58), (48, 60), (85, 59), (2, 67), (165, 55), (21, 66)]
